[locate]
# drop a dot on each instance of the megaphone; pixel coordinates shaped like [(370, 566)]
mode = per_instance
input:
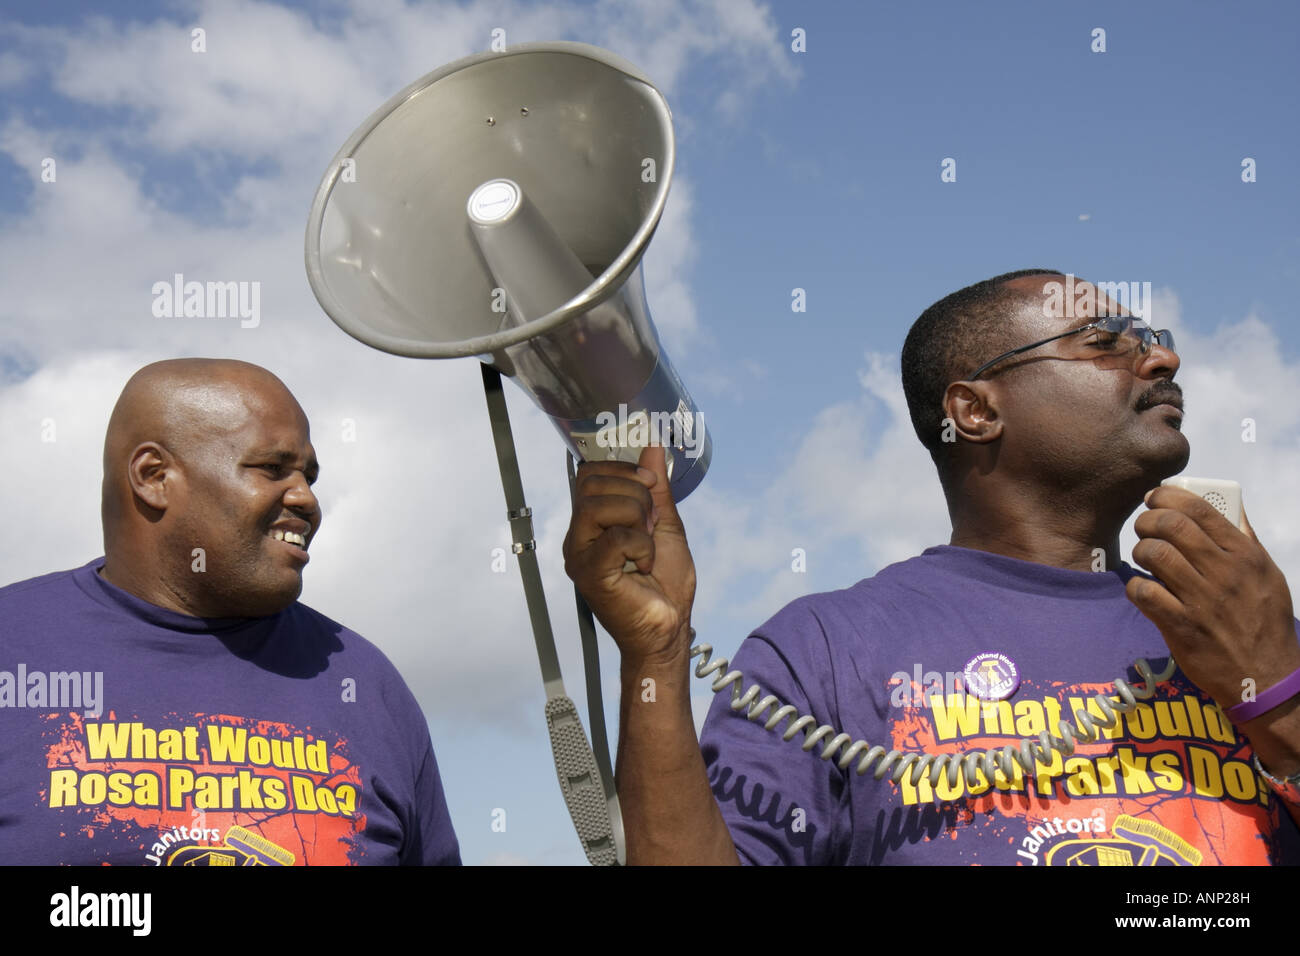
[(499, 208)]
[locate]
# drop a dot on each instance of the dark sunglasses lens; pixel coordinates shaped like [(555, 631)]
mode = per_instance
[(1162, 337)]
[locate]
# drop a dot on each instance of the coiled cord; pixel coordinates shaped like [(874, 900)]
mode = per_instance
[(1028, 754)]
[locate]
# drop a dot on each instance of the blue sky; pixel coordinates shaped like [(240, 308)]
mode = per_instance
[(817, 170)]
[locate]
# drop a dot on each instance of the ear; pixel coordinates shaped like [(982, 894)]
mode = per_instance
[(973, 411), (153, 473)]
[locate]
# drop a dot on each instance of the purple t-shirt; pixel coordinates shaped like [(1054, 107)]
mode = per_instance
[(890, 660), (130, 734)]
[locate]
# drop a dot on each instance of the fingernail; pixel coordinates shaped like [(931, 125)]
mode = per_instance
[(1146, 499), (644, 472)]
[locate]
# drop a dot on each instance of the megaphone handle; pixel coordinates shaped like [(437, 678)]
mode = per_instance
[(584, 790), (594, 815)]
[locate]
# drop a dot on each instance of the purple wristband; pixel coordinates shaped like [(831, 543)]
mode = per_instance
[(1279, 693)]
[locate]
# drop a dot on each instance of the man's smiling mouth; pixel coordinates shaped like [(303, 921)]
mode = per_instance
[(295, 540), (292, 537)]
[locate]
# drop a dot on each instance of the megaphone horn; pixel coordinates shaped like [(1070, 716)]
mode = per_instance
[(499, 208)]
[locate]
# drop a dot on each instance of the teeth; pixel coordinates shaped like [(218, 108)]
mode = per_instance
[(291, 537)]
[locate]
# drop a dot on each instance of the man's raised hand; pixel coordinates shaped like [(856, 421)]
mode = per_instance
[(624, 512)]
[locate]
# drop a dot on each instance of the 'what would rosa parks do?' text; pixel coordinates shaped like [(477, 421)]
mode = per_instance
[(197, 764)]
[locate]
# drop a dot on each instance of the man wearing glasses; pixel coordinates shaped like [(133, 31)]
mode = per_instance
[(1049, 421)]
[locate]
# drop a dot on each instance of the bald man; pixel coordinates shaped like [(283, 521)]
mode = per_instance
[(172, 703)]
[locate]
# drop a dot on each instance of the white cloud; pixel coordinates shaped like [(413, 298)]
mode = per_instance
[(54, 424), (267, 76), (273, 75), (667, 270), (14, 70)]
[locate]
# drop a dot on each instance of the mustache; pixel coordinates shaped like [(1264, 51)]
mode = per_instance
[(1161, 393)]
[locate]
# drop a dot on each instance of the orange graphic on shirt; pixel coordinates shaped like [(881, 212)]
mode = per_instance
[(1170, 784), (206, 790)]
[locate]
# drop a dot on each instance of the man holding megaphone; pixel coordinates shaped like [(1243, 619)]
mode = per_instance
[(1049, 419), (518, 239)]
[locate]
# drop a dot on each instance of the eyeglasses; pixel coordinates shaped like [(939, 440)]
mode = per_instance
[(1113, 325)]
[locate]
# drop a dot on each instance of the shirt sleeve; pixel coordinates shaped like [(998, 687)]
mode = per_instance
[(782, 804), (428, 836), (434, 840)]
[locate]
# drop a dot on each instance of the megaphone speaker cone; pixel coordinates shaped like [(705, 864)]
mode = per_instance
[(499, 207)]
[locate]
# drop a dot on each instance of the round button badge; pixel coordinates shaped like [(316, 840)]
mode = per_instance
[(991, 676)]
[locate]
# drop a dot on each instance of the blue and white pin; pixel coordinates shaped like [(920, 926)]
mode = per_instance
[(991, 676)]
